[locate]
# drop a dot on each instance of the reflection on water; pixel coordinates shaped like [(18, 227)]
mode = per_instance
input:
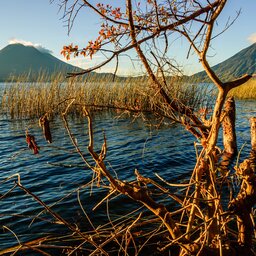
[(57, 172)]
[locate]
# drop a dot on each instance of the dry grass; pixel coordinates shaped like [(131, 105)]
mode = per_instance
[(246, 91), (28, 100), (22, 99)]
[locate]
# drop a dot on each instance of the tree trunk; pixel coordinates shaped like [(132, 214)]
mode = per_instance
[(228, 124), (229, 134), (216, 120), (253, 138)]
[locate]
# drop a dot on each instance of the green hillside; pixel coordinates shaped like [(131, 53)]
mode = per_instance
[(244, 62), (17, 59)]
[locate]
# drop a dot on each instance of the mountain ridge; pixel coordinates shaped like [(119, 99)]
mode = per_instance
[(243, 62), (18, 59)]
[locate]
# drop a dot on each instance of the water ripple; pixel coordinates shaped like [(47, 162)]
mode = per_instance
[(58, 170)]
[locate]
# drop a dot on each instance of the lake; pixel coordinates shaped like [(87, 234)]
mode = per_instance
[(55, 174)]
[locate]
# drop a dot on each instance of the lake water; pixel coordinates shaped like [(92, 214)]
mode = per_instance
[(57, 171)]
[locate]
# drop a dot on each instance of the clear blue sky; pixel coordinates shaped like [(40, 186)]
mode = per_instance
[(39, 22)]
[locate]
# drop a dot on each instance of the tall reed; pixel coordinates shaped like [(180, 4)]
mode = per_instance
[(23, 99), (245, 91)]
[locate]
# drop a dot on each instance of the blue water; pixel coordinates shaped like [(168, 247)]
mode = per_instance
[(58, 171)]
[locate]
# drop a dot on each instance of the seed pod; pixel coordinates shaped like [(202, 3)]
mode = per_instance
[(30, 139), (44, 123)]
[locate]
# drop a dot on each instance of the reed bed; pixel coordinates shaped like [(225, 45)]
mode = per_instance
[(245, 91), (23, 99), (28, 100)]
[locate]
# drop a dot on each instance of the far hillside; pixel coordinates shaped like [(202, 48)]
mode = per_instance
[(243, 62), (18, 59)]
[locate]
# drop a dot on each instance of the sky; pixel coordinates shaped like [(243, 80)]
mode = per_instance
[(39, 23)]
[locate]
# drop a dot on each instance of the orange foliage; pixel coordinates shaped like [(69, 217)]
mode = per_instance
[(111, 31)]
